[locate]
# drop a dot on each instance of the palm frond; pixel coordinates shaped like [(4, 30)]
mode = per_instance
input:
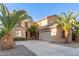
[(66, 20), (9, 20), (18, 17)]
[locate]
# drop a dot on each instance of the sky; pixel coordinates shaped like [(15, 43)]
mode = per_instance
[(40, 10)]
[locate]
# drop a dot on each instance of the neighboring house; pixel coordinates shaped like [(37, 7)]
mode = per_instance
[(19, 31), (50, 32)]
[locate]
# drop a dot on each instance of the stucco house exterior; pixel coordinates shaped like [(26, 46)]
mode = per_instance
[(50, 32), (19, 31), (47, 31)]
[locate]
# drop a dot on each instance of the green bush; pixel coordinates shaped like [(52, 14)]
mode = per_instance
[(20, 39)]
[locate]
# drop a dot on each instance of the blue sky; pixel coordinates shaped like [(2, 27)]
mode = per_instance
[(40, 10)]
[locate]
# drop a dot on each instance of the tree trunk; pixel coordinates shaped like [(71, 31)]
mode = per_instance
[(7, 41), (66, 36)]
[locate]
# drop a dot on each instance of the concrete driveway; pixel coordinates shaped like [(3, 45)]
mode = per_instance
[(42, 48)]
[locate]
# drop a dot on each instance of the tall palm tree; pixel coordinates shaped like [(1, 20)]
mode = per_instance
[(66, 21), (8, 21)]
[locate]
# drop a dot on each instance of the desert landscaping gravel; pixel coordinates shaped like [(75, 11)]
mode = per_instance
[(18, 50)]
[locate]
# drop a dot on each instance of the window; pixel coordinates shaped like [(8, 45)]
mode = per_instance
[(53, 32), (18, 33)]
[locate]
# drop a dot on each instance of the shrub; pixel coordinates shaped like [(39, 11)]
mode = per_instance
[(20, 39)]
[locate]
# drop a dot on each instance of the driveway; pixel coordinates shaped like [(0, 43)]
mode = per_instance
[(42, 48)]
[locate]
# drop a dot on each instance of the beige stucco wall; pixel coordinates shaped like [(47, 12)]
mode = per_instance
[(58, 36), (53, 35), (43, 22), (51, 19), (23, 32), (23, 24), (22, 28), (29, 24), (56, 32)]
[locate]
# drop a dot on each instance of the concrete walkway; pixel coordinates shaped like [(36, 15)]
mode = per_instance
[(42, 48)]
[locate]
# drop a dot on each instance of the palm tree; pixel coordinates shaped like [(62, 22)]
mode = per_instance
[(8, 21), (33, 31), (76, 28), (66, 21)]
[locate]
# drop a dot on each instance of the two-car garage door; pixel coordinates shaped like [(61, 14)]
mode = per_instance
[(45, 35)]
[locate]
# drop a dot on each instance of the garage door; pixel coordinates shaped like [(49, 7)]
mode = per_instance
[(45, 35)]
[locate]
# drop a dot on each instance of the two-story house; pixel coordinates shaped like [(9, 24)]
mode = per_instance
[(50, 32), (19, 31), (47, 31)]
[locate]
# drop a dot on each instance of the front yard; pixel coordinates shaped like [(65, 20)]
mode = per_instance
[(42, 48)]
